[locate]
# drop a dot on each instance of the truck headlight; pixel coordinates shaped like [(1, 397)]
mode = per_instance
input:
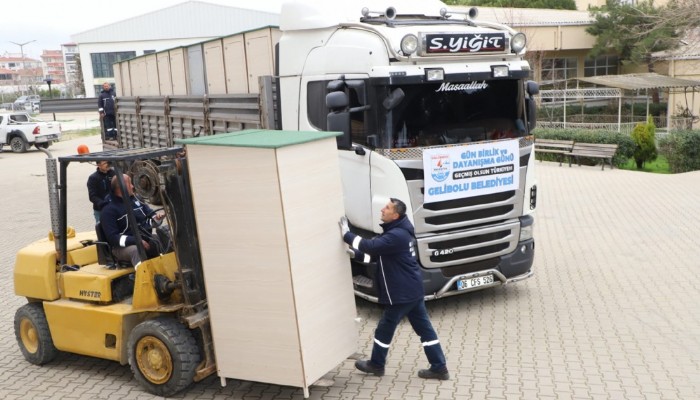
[(434, 74), (409, 44), (526, 232), (499, 71), (518, 42)]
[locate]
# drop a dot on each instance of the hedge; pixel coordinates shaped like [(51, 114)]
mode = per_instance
[(682, 149)]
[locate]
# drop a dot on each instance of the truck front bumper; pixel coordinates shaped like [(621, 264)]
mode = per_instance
[(511, 268)]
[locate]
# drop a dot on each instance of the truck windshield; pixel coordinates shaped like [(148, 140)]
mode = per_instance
[(449, 113)]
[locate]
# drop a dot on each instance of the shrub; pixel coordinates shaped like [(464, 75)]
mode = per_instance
[(644, 136), (625, 144), (682, 149)]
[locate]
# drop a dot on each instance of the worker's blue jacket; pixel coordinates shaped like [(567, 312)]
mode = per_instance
[(398, 279)]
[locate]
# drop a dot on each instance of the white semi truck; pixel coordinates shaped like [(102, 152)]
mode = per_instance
[(436, 109)]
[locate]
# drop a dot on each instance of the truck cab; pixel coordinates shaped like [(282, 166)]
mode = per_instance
[(436, 109)]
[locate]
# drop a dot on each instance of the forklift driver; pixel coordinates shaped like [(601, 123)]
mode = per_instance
[(116, 227)]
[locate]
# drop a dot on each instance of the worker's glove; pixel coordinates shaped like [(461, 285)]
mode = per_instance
[(350, 252), (344, 227)]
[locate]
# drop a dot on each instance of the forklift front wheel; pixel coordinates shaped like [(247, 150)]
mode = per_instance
[(163, 355), (33, 335)]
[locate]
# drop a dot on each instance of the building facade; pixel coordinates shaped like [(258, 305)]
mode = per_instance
[(53, 66), (180, 25), (19, 74)]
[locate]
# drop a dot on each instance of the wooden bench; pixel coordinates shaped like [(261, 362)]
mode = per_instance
[(551, 146), (593, 150)]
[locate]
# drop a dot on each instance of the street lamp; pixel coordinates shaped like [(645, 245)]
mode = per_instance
[(21, 50)]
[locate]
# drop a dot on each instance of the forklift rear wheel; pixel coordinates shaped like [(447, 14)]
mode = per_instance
[(33, 335), (163, 355)]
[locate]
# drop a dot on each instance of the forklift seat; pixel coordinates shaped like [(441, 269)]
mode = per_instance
[(104, 251)]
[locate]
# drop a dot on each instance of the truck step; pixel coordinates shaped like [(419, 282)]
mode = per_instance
[(361, 280)]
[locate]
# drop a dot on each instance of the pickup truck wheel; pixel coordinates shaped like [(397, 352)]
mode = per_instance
[(163, 355), (18, 144), (33, 335)]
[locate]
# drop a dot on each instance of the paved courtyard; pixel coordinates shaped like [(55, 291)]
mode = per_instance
[(612, 312)]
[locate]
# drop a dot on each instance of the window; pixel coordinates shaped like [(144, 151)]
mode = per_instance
[(558, 69), (149, 51), (102, 62), (602, 65)]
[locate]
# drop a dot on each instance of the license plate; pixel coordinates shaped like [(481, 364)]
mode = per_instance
[(46, 138), (469, 283)]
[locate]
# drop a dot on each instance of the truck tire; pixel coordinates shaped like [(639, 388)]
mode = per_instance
[(18, 144), (33, 335), (163, 355)]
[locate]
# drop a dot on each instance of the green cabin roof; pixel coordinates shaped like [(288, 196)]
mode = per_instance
[(258, 138)]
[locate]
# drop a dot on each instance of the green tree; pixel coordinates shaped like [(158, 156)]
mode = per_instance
[(633, 31), (78, 84), (644, 136), (547, 4)]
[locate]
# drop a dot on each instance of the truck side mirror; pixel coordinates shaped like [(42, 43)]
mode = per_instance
[(531, 108), (338, 118), (532, 89)]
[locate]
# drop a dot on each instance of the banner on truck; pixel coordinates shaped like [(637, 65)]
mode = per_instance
[(471, 170)]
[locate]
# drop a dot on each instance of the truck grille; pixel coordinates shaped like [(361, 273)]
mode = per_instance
[(462, 231), (455, 248)]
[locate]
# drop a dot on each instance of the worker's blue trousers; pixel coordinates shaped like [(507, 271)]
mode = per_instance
[(418, 317)]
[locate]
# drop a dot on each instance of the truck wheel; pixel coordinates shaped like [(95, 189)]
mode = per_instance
[(18, 144), (33, 335), (163, 355)]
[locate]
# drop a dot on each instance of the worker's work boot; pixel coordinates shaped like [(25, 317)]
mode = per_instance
[(430, 374), (369, 367)]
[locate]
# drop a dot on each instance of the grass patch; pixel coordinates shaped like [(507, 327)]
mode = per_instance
[(78, 133), (658, 166)]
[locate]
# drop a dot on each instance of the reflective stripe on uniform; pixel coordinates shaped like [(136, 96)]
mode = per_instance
[(122, 240), (356, 242), (430, 343), (380, 344), (367, 258)]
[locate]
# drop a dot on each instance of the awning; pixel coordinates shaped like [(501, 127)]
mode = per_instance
[(641, 81)]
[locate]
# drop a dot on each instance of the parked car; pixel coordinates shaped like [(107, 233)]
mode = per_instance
[(20, 131), (30, 103)]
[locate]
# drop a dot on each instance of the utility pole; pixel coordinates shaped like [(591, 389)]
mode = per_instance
[(21, 50)]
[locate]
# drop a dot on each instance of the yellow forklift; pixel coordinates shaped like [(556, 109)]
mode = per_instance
[(152, 316)]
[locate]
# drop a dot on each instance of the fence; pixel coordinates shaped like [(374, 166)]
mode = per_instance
[(68, 105)]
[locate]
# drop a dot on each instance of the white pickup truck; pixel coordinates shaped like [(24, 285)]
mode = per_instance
[(20, 131)]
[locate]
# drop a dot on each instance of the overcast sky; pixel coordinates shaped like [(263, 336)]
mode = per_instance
[(51, 23)]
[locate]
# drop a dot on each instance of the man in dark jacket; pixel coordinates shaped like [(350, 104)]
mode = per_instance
[(98, 185), (105, 105), (400, 289), (117, 230)]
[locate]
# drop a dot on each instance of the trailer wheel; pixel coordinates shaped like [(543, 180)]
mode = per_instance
[(18, 144), (163, 355), (33, 335)]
